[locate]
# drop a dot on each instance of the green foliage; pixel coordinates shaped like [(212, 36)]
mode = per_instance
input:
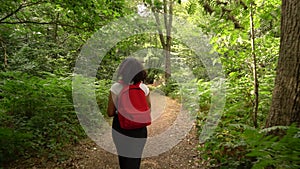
[(274, 151), (205, 95), (47, 35), (225, 148), (102, 92), (40, 41), (170, 88), (229, 24), (13, 144), (37, 115), (242, 146)]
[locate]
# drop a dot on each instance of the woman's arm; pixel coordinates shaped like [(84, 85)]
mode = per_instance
[(111, 108), (148, 100)]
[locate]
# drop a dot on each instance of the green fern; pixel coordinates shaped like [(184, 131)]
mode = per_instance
[(270, 150)]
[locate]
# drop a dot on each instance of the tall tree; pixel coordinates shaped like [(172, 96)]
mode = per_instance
[(285, 107), (166, 7)]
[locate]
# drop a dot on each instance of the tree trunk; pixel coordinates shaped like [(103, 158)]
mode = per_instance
[(254, 69), (168, 26), (166, 41), (285, 108)]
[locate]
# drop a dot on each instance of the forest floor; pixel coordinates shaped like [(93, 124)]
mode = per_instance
[(88, 155)]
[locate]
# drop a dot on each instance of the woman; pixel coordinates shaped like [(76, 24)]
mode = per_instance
[(128, 147)]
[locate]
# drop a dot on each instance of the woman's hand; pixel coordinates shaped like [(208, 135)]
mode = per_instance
[(111, 108)]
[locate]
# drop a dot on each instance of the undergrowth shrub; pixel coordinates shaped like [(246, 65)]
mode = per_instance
[(170, 88), (13, 144), (102, 92), (37, 116), (271, 151), (226, 148)]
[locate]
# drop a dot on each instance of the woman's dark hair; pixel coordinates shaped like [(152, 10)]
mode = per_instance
[(131, 71)]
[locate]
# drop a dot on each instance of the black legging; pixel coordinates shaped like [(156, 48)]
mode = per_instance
[(129, 149)]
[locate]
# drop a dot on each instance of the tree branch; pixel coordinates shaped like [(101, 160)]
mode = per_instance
[(236, 23), (225, 12), (44, 23), (12, 13), (22, 5)]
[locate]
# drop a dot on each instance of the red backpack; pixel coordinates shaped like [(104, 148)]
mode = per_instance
[(133, 109)]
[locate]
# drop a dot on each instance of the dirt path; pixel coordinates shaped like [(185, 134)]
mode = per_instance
[(88, 155)]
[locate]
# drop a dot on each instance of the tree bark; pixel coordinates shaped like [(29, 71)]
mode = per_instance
[(168, 26), (254, 69), (285, 107)]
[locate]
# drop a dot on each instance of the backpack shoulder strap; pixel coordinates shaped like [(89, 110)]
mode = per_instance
[(135, 86)]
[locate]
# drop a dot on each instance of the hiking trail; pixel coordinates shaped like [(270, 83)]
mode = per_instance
[(88, 155)]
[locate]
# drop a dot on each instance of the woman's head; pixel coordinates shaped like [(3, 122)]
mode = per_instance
[(131, 71)]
